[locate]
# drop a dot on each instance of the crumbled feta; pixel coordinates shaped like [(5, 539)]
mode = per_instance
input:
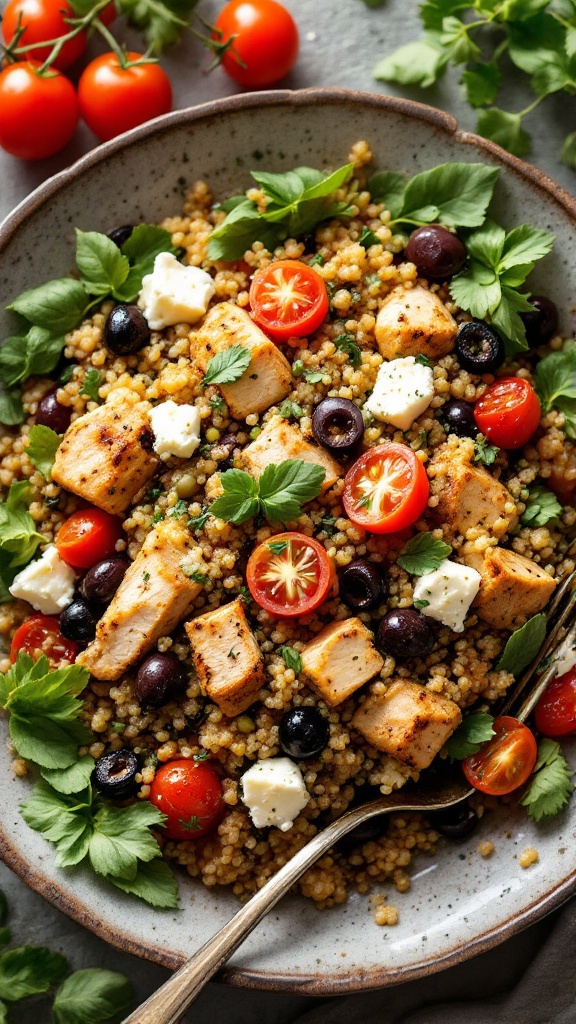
[(448, 593), (176, 429), (47, 584), (173, 293), (274, 792), (565, 656), (403, 390)]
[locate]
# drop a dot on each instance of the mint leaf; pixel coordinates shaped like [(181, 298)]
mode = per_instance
[(542, 506), (423, 554), (550, 786), (73, 779), (455, 194), (145, 243), (29, 971), (91, 384), (474, 730), (291, 658), (153, 882), (58, 305), (102, 266), (92, 996), (43, 443), (419, 63), (523, 645), (239, 501), (285, 487), (481, 83), (505, 129), (227, 366)]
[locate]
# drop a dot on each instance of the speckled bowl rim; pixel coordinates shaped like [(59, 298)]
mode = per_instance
[(311, 984)]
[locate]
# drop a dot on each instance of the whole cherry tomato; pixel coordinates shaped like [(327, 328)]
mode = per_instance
[(289, 574), (288, 298), (555, 713), (43, 20), (505, 762), (87, 537), (38, 112), (114, 98), (190, 795), (386, 489), (264, 41), (508, 412), (41, 634)]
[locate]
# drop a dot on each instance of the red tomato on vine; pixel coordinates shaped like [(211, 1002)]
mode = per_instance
[(116, 97), (38, 111), (264, 43)]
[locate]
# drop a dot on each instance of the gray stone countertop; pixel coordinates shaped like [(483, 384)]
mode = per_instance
[(341, 41)]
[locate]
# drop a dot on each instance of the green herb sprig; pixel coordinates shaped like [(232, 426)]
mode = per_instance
[(43, 443), (279, 493), (555, 381), (523, 645), (227, 366), (19, 538), (423, 554), (550, 785), (542, 506), (475, 729)]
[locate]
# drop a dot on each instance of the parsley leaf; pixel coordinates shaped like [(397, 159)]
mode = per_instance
[(19, 538), (227, 366), (346, 343), (291, 658), (29, 971), (454, 194), (474, 730), (153, 882), (541, 506), (523, 645), (43, 443), (485, 452), (91, 384), (505, 129), (313, 376), (418, 63), (481, 83), (279, 493), (72, 779), (550, 785), (162, 21), (239, 500), (423, 554), (555, 382), (92, 996)]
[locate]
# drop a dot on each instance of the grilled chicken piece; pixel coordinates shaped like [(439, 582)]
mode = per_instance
[(152, 598), (280, 440), (268, 378), (340, 660), (228, 662), (414, 321), (106, 456), (409, 722), (512, 587), (468, 495)]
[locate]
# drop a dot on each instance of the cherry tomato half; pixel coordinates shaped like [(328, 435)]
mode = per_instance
[(38, 112), (190, 795), (508, 412), (41, 634), (265, 41), (555, 713), (88, 536), (289, 574), (386, 489), (288, 298), (506, 761), (114, 99), (43, 20)]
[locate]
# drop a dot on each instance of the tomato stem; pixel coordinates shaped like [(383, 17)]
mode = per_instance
[(13, 51), (218, 48)]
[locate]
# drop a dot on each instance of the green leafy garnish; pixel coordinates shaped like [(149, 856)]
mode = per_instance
[(474, 730), (43, 443), (297, 201), (91, 384), (423, 554), (555, 381), (291, 658), (279, 493), (29, 971), (72, 779), (485, 452), (195, 574), (523, 645), (550, 786), (346, 343), (92, 996), (19, 537), (368, 238), (312, 376), (227, 366), (277, 546), (102, 266), (290, 410), (456, 195), (542, 506)]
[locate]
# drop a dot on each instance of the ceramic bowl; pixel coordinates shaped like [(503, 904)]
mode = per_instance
[(458, 903)]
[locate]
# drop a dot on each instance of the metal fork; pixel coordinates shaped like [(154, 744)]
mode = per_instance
[(433, 793)]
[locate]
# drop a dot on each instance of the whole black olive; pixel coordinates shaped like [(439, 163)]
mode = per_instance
[(78, 621), (337, 425), (436, 252), (458, 418), (479, 348), (455, 822), (50, 413), (303, 732), (159, 679), (102, 581), (126, 330), (114, 774), (543, 322), (121, 234), (361, 585), (405, 633)]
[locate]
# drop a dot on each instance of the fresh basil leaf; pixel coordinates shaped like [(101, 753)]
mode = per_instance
[(92, 996), (475, 729), (423, 554), (43, 443), (523, 645), (102, 266), (242, 227), (29, 971), (73, 779), (19, 538), (455, 194), (542, 506), (482, 83), (285, 487), (505, 129), (419, 63), (550, 785), (239, 500), (227, 366), (153, 882), (282, 189), (34, 353), (11, 409), (388, 187), (145, 243), (58, 305), (291, 658)]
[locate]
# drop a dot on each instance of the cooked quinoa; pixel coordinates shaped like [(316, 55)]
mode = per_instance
[(461, 666)]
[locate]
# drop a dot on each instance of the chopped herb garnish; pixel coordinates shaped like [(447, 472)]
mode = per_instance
[(291, 658), (346, 343), (368, 238), (91, 384), (291, 410), (279, 493), (227, 366), (542, 506), (423, 554), (485, 452), (317, 260), (278, 546)]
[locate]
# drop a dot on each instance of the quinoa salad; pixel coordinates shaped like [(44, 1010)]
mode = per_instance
[(285, 494)]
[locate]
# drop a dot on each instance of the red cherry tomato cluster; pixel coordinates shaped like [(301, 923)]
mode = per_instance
[(257, 41)]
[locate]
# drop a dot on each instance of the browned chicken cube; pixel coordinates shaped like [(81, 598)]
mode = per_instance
[(340, 660), (280, 440), (268, 378), (414, 321), (468, 495), (228, 662), (408, 722), (512, 588), (106, 456), (152, 598)]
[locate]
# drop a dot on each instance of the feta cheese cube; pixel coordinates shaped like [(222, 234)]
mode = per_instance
[(173, 293), (449, 592), (176, 429), (274, 792), (47, 584), (403, 390)]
